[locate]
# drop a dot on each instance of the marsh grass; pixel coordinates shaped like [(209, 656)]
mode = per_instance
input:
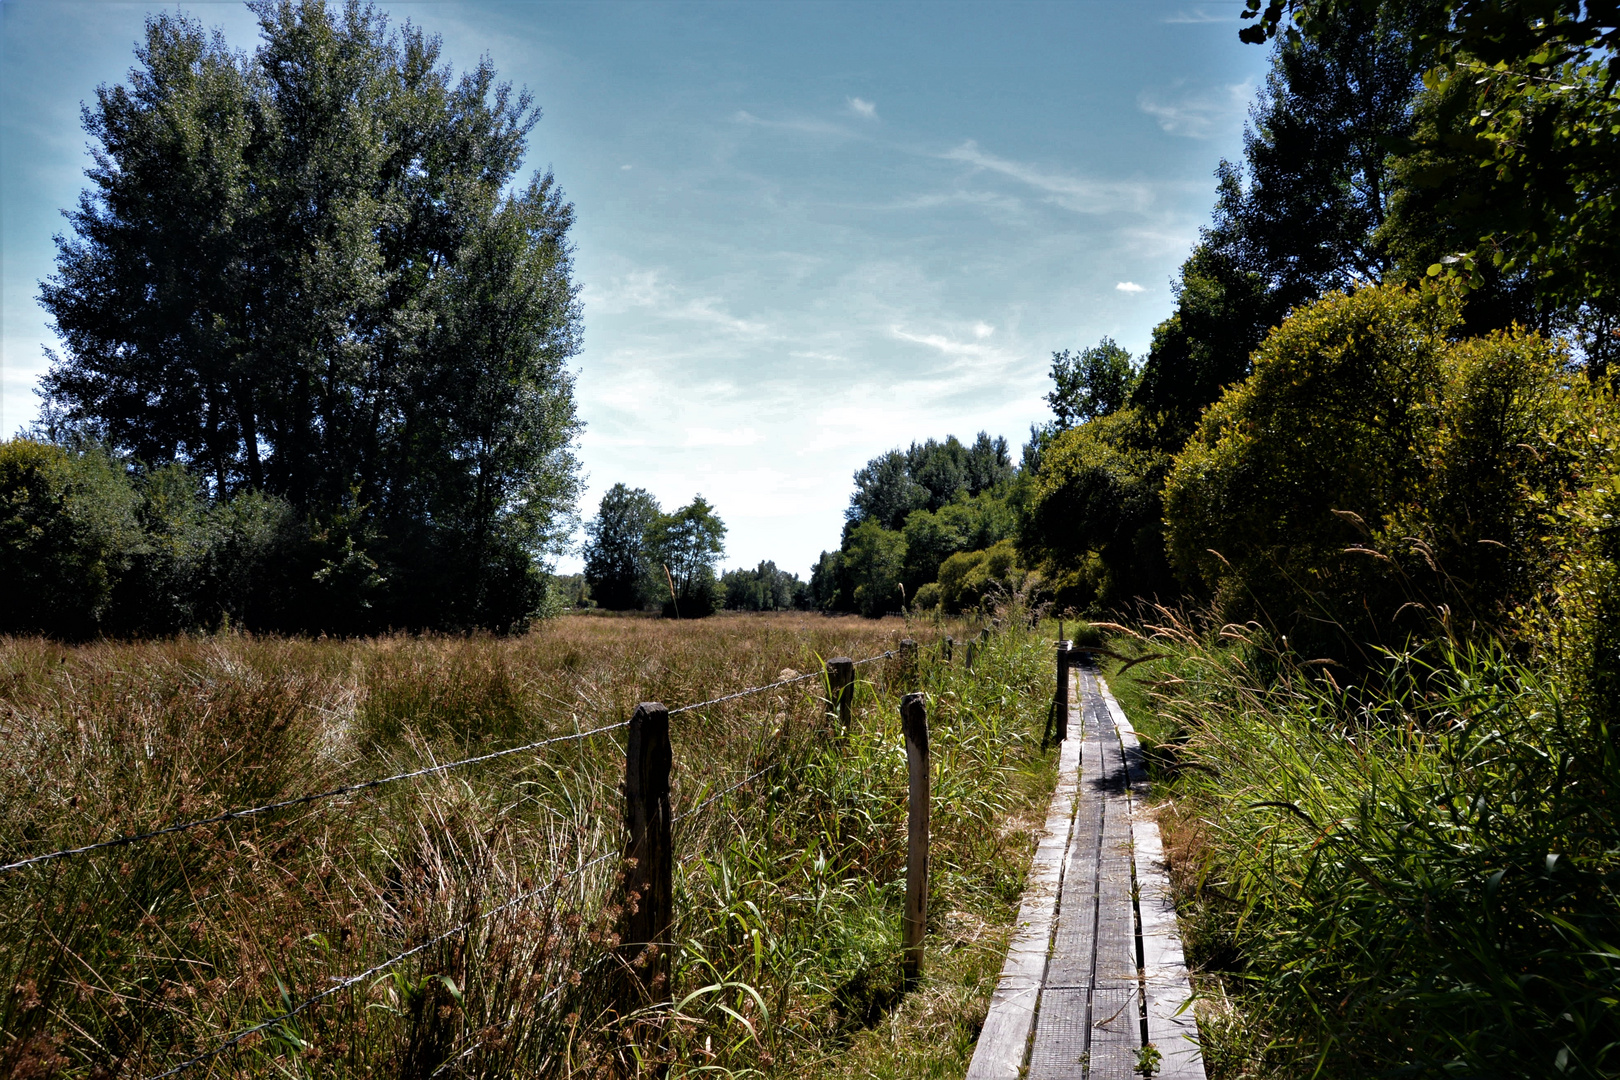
[(132, 960), (1413, 876)]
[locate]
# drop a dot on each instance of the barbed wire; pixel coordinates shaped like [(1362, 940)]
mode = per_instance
[(771, 686), (346, 789), (366, 785), (345, 983), (723, 793)]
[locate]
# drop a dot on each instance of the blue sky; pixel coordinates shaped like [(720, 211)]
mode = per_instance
[(807, 233)]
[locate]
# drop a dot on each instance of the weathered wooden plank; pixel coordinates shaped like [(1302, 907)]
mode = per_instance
[(1171, 1021), (1003, 1045)]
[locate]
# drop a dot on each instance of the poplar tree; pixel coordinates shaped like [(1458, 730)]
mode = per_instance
[(312, 271)]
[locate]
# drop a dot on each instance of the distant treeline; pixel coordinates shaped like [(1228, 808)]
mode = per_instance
[(639, 558)]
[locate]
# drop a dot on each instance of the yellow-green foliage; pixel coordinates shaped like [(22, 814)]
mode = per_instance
[(1372, 474), (67, 530), (1094, 509), (970, 577)]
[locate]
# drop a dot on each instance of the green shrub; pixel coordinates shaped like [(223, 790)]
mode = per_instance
[(1373, 479), (1093, 521), (68, 532), (972, 577)]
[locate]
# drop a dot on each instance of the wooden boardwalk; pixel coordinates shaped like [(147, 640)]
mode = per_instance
[(1095, 970)]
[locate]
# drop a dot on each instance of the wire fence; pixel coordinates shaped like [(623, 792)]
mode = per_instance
[(347, 982), (366, 785)]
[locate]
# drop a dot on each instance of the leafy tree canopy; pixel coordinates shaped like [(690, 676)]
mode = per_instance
[(687, 544), (618, 564), (926, 476), (340, 300), (1525, 96), (1091, 383)]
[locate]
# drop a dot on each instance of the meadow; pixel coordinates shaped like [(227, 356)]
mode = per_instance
[(136, 960)]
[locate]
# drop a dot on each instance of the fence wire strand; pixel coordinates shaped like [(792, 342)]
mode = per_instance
[(350, 789), (346, 789), (770, 686), (723, 792), (344, 984)]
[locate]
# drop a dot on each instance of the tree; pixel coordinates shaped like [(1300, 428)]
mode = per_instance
[(68, 532), (687, 544), (1091, 383), (885, 492), (764, 588), (1529, 119), (618, 563), (1303, 214), (874, 559), (342, 301)]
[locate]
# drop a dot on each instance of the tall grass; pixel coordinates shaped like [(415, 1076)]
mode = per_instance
[(132, 960), (1415, 876)]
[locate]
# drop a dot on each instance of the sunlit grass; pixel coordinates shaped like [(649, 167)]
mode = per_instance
[(131, 960)]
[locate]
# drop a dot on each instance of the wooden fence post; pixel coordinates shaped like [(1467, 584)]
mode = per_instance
[(908, 664), (946, 647), (648, 874), (841, 686), (972, 654), (914, 723), (1062, 720)]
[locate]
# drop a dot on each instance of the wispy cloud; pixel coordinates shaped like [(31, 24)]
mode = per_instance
[(1128, 286), (647, 291), (708, 436), (958, 350), (1073, 193), (863, 108), (803, 126), (1201, 15), (1199, 114)]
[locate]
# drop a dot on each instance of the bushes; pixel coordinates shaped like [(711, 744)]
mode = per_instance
[(90, 546), (971, 578), (1093, 515), (68, 532), (1416, 878), (1373, 477)]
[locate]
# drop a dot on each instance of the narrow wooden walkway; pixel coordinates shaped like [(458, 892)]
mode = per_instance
[(1095, 970)]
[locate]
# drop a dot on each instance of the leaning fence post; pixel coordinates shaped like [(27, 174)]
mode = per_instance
[(648, 873), (841, 691), (914, 723), (1062, 706)]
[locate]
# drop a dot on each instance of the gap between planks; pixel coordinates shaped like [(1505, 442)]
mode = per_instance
[(1006, 1039)]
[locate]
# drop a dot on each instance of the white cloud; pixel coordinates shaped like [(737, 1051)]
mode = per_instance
[(957, 350), (624, 168), (807, 127), (646, 290), (862, 107), (983, 329), (1200, 15), (708, 436), (1073, 193), (1128, 286), (1201, 114)]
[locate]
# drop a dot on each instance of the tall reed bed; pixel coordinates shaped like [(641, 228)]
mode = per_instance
[(1413, 876), (133, 960)]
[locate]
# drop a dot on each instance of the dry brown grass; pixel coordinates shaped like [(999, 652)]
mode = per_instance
[(131, 960)]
